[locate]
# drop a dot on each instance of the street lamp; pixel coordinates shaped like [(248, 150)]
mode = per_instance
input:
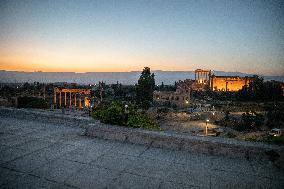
[(126, 112), (206, 128)]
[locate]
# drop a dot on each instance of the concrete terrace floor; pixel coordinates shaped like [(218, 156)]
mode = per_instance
[(37, 155)]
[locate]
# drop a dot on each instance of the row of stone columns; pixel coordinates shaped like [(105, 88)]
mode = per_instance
[(202, 75), (65, 99)]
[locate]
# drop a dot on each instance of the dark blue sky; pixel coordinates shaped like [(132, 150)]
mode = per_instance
[(81, 35)]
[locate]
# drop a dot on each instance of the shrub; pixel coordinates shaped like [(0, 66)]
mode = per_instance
[(228, 122), (275, 140), (114, 114), (31, 102), (250, 121), (139, 120), (275, 118)]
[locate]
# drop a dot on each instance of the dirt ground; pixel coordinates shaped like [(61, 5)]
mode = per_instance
[(187, 127)]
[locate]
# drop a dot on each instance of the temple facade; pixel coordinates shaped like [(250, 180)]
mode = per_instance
[(228, 83)]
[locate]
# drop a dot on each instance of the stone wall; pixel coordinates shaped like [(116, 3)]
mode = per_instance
[(209, 145), (46, 116)]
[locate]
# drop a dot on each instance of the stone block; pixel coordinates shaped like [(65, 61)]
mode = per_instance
[(149, 168), (58, 170), (92, 177), (130, 181), (139, 138), (117, 162)]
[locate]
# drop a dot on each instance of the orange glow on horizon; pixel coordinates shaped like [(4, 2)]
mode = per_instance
[(81, 64)]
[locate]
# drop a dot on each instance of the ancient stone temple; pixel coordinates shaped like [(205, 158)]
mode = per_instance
[(228, 83), (202, 76), (204, 80), (71, 98)]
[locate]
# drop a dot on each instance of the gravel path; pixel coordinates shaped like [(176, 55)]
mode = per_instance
[(34, 154)]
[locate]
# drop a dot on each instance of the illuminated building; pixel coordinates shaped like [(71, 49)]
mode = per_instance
[(228, 83)]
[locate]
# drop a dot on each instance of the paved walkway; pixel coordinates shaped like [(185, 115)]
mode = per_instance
[(40, 155)]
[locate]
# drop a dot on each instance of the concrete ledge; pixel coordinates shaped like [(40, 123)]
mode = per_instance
[(47, 116), (207, 145), (160, 139)]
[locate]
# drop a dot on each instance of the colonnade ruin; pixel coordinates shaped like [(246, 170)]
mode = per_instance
[(77, 98)]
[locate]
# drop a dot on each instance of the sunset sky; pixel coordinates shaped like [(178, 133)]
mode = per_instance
[(121, 35)]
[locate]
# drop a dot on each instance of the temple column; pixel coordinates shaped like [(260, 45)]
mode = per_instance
[(75, 99), (65, 99), (54, 98), (226, 86), (198, 76), (70, 100), (207, 76), (60, 100), (80, 102), (195, 76), (44, 92)]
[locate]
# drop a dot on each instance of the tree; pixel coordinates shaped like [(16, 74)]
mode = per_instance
[(261, 90), (162, 85), (145, 88), (250, 121)]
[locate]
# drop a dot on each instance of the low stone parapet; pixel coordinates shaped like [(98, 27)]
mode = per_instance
[(196, 144), (160, 139), (46, 116)]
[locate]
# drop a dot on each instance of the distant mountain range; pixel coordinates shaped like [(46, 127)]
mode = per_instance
[(168, 77)]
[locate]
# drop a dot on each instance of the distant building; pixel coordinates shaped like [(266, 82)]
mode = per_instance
[(180, 97), (228, 83), (203, 80)]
